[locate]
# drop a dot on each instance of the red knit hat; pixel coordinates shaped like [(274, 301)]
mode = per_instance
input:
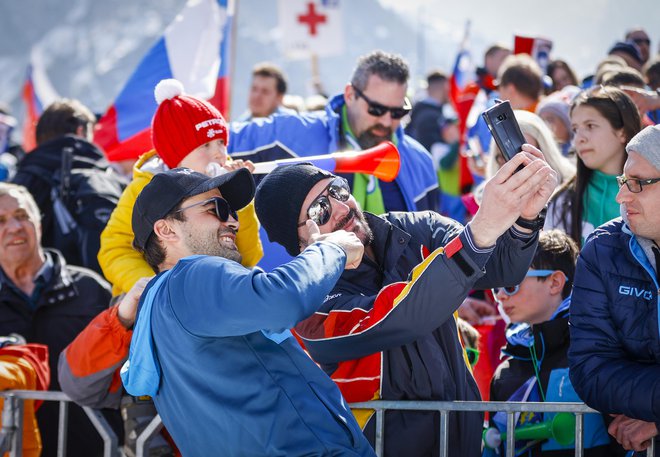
[(183, 123)]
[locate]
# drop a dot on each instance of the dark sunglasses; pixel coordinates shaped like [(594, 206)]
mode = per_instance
[(513, 290), (635, 185), (645, 41), (220, 205), (378, 110), (320, 210)]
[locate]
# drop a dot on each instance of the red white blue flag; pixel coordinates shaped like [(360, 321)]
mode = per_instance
[(37, 94), (195, 49)]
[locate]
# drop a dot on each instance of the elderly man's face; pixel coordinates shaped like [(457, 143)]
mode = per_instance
[(641, 209), (20, 232), (371, 130), (343, 215)]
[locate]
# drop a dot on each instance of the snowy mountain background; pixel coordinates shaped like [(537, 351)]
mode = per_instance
[(91, 48)]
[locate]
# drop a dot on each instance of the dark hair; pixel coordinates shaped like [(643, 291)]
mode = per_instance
[(389, 67), (64, 117), (436, 76), (556, 64), (524, 73), (154, 252), (621, 113), (269, 70), (557, 251), (494, 49), (626, 76)]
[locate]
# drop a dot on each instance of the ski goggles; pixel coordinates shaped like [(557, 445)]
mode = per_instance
[(320, 210), (513, 290), (376, 109), (220, 205)]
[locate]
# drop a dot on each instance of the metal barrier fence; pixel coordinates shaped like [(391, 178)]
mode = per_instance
[(11, 434)]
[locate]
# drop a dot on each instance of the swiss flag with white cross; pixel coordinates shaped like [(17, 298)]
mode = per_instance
[(311, 27)]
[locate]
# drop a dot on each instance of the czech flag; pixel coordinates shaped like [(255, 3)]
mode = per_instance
[(38, 93), (195, 50)]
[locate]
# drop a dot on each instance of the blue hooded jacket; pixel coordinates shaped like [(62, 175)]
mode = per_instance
[(212, 346)]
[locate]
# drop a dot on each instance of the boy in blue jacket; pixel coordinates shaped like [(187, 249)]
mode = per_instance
[(536, 361)]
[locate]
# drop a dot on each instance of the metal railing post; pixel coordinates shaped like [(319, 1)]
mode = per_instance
[(444, 433), (62, 426), (109, 437), (650, 452), (579, 434), (380, 432), (150, 430), (510, 434)]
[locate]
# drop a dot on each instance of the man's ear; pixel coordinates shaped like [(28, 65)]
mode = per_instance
[(349, 94), (165, 230), (558, 282)]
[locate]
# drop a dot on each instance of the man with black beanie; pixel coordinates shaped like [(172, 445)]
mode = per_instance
[(386, 329)]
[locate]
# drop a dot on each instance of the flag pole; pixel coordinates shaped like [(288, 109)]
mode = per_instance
[(232, 7)]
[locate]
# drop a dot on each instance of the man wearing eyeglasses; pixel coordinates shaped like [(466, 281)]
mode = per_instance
[(368, 112), (386, 330), (615, 345), (211, 343)]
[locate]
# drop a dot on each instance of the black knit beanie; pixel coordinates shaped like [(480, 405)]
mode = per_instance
[(280, 196)]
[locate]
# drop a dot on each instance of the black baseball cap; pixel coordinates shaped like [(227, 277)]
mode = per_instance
[(167, 189)]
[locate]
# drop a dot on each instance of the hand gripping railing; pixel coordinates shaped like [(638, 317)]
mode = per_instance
[(444, 407), (11, 434)]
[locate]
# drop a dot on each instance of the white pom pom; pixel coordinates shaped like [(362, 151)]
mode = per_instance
[(167, 89)]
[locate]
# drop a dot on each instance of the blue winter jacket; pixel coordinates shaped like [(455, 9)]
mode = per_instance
[(614, 354), (211, 346), (298, 135)]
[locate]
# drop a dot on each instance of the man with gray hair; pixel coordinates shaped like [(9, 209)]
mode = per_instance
[(367, 113), (46, 301), (615, 347)]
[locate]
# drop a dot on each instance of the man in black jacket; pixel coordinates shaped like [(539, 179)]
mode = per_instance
[(386, 330), (66, 129), (48, 302)]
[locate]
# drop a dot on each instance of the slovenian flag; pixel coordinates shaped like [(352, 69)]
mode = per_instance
[(37, 94), (195, 50)]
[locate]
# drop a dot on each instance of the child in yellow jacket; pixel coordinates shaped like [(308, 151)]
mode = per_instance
[(186, 132)]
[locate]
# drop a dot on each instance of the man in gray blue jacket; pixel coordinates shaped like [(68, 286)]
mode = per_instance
[(614, 354), (386, 330), (367, 113), (211, 344)]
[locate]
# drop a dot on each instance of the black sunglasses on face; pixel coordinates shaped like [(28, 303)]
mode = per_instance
[(645, 41), (378, 110), (320, 210), (220, 205), (635, 185)]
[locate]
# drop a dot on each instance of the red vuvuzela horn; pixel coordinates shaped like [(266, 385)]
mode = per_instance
[(382, 161)]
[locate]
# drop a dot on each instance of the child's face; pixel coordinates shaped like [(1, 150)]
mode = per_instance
[(600, 146), (534, 302), (201, 156)]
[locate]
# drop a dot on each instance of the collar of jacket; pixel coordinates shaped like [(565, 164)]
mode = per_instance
[(49, 154), (59, 288), (549, 337), (389, 244)]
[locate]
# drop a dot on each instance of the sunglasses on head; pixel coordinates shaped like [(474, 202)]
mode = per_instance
[(220, 205), (320, 210), (635, 185), (378, 110), (513, 290)]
